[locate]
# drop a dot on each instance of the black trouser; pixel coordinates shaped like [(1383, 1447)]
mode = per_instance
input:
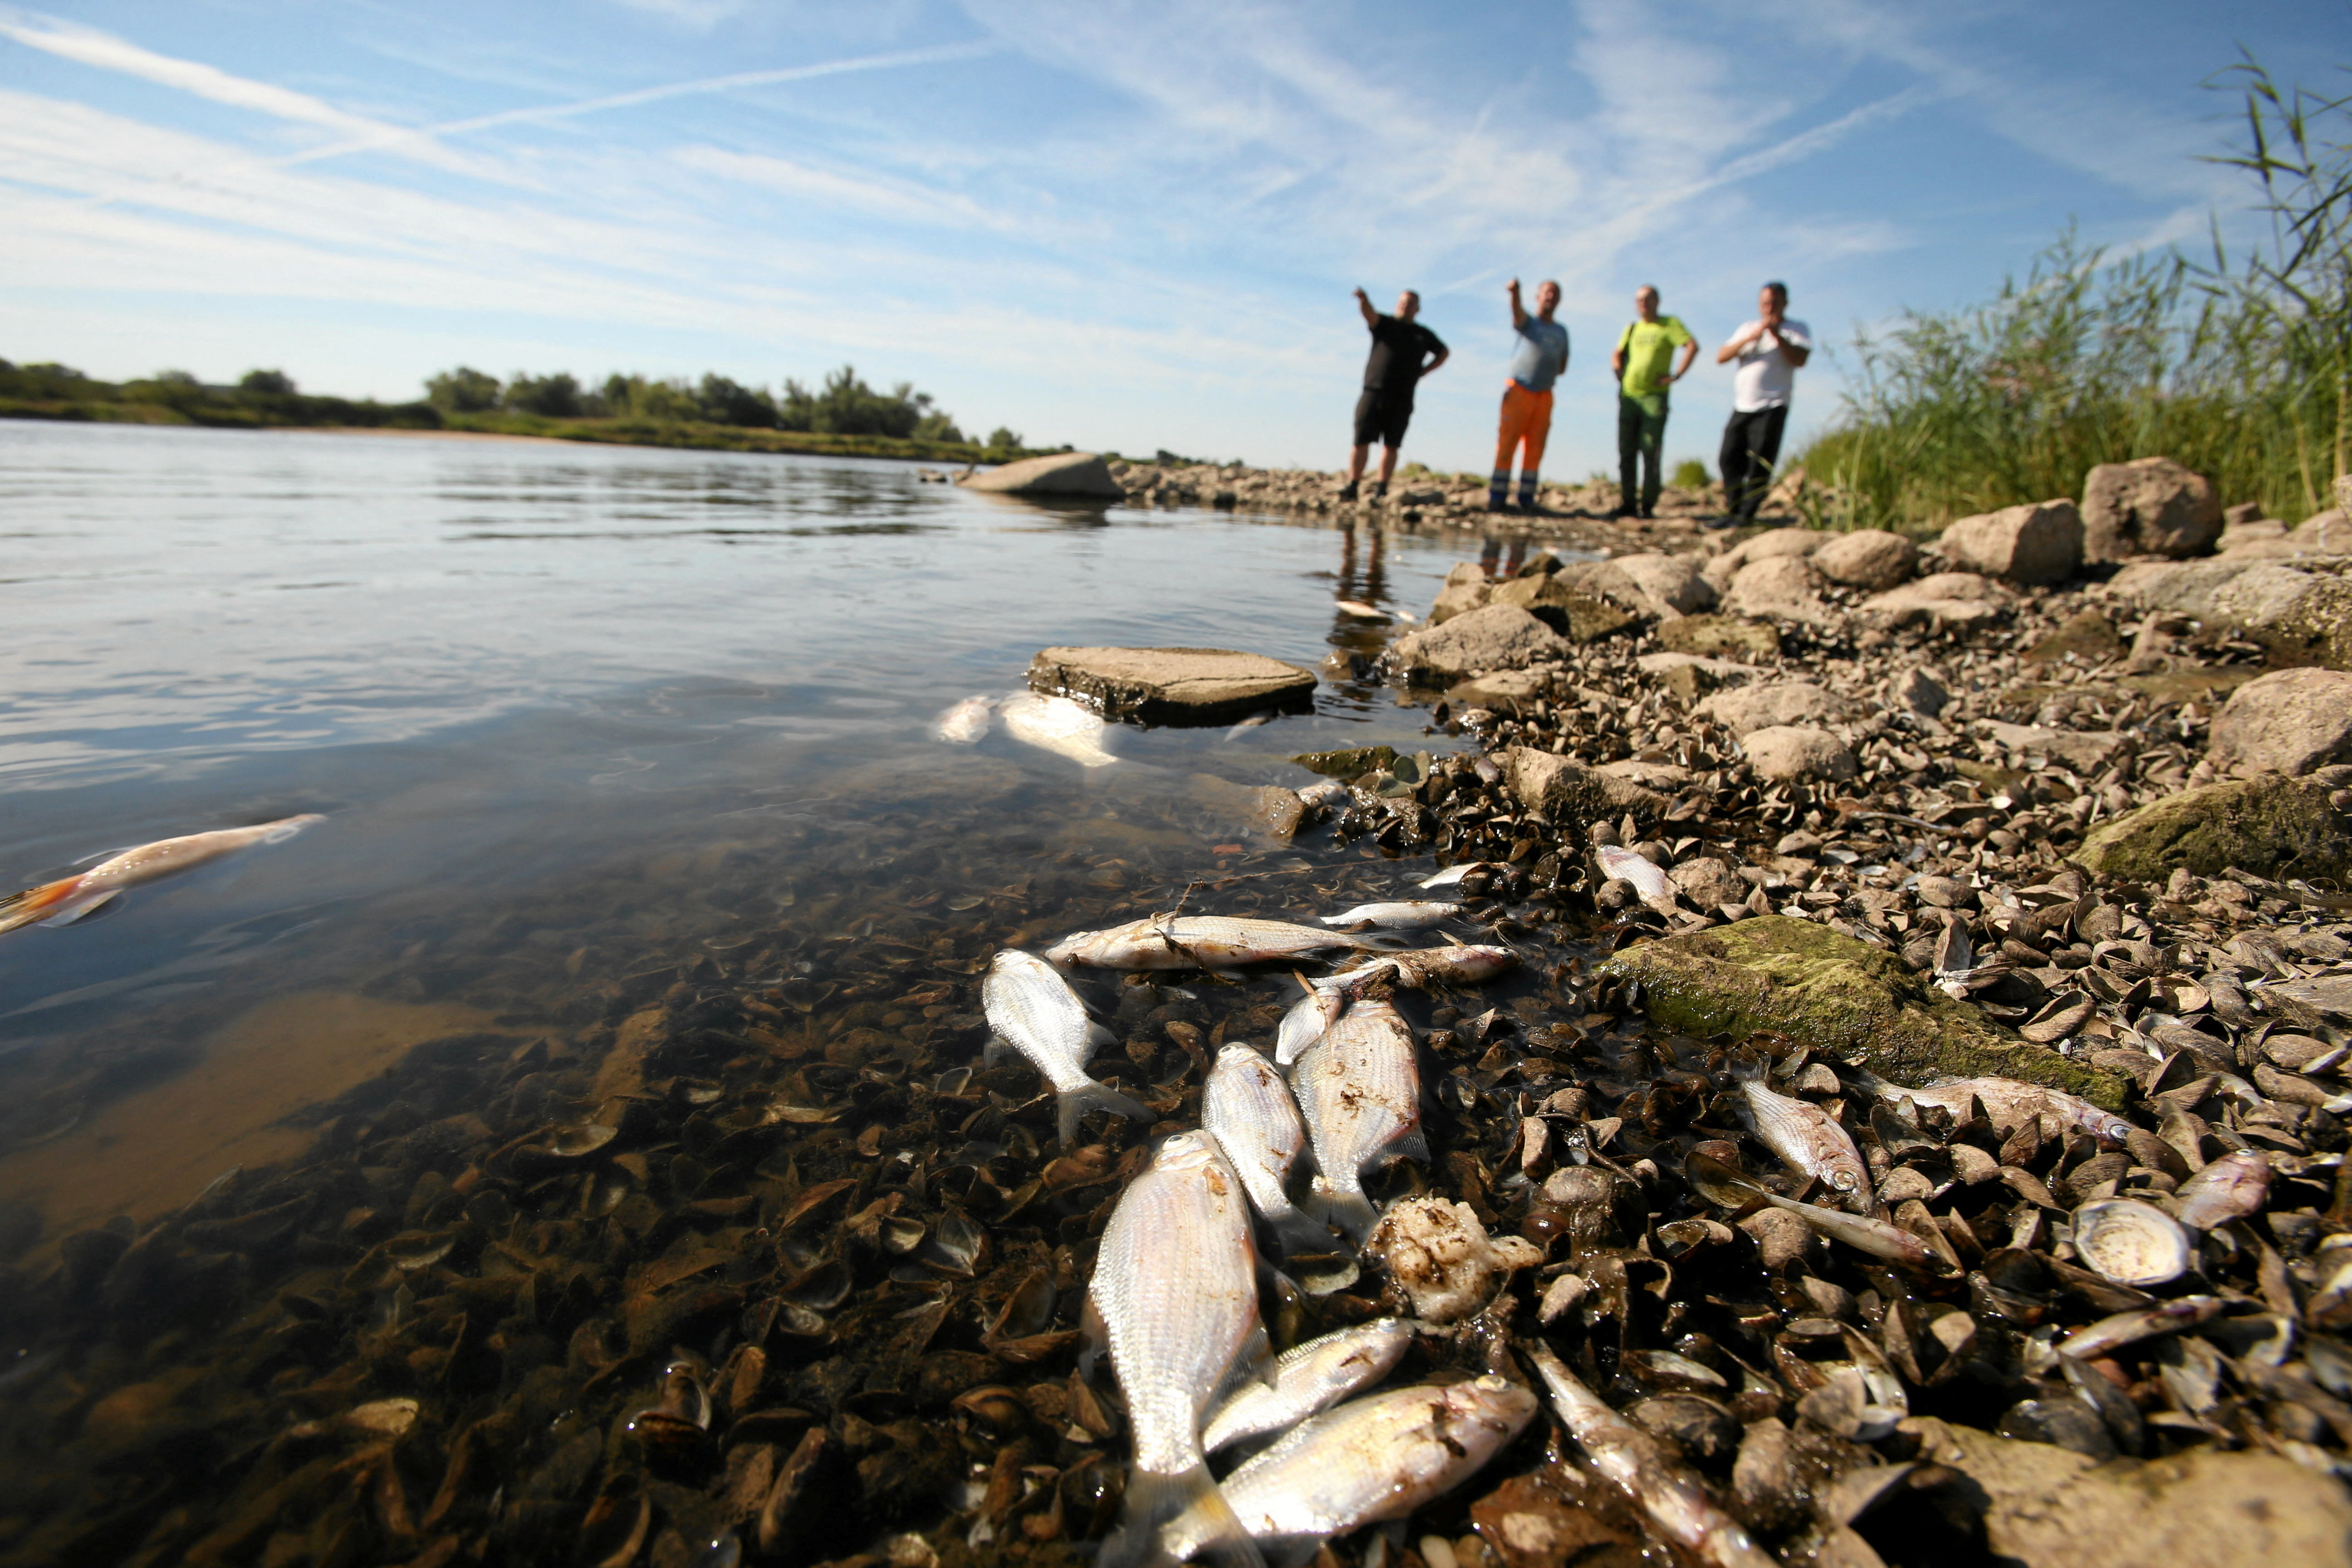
[(1752, 445), (1641, 446)]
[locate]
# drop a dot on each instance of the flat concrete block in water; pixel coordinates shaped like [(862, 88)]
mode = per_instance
[(1060, 474), (1172, 685)]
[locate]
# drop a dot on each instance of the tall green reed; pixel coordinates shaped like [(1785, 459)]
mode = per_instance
[(2240, 367)]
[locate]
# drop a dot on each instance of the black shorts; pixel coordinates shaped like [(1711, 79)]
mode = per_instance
[(1382, 416)]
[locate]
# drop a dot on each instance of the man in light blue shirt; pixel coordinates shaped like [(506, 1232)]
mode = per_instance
[(1537, 360)]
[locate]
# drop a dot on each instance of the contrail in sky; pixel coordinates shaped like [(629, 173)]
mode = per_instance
[(630, 100)]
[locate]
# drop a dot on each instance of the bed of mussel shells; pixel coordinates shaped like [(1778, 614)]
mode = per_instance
[(749, 1257)]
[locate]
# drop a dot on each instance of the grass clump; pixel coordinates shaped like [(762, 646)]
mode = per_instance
[(2239, 367)]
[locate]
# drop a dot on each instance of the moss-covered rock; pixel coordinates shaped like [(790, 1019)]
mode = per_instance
[(1350, 763), (1719, 637), (1578, 617), (2269, 825), (1841, 996)]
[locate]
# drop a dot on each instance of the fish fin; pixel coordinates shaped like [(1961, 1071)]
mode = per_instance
[(1099, 1035), (1090, 1097), (1177, 1518), (1294, 1233), (1255, 1362), (1747, 1067), (1352, 1212), (997, 1049), (34, 905), (1093, 1337), (80, 907), (1382, 942), (1413, 1146)]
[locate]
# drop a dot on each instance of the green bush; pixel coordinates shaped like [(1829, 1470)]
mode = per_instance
[(1690, 474)]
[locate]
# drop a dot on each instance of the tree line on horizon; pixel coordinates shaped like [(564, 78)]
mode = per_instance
[(843, 405)]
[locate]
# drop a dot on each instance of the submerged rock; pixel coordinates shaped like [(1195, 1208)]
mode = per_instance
[(1059, 474), (1349, 761), (1840, 995), (1172, 685), (2266, 826)]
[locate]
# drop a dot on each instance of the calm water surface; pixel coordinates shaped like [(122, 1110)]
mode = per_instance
[(566, 708)]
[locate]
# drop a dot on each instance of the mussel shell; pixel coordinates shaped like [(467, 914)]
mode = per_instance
[(2129, 1242), (578, 1138), (415, 1249)]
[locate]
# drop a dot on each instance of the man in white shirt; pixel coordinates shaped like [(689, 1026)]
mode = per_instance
[(1769, 349)]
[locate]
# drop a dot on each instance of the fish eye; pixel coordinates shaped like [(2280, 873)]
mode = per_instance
[(1843, 1181)]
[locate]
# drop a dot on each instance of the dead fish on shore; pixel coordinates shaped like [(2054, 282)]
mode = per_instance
[(1460, 964), (1196, 942), (1650, 884), (1320, 1008), (1263, 716), (1247, 1108), (1330, 791), (63, 901), (1404, 914), (1676, 1500), (1033, 1010), (1806, 1138), (2008, 1103), (966, 723), (1374, 1459), (1453, 875), (1058, 725), (1718, 1184), (1360, 1089), (1309, 1378), (1174, 1297)]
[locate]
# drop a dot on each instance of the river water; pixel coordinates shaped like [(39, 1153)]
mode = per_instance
[(562, 708)]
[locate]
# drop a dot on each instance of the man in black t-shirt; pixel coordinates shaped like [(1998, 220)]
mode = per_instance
[(1403, 351)]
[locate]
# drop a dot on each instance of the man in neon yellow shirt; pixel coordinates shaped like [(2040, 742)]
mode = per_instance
[(1643, 351)]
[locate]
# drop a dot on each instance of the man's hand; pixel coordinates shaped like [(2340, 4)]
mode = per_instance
[(1518, 311)]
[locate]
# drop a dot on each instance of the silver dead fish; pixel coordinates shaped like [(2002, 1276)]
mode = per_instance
[(1247, 1108), (1058, 725), (1373, 1459), (1033, 1010), (1327, 793), (1720, 1184), (1360, 1088), (69, 899), (2008, 1102), (1308, 1378), (1806, 1138), (1676, 1500), (1174, 1295), (1196, 942), (1453, 875), (1650, 883), (1462, 964), (1407, 915), (965, 723)]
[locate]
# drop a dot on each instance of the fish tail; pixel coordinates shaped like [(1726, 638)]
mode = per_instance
[(1178, 1519), (1298, 1235), (1351, 1210), (34, 905), (1746, 1067), (1090, 1097)]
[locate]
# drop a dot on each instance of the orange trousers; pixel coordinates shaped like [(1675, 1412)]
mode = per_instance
[(1526, 422)]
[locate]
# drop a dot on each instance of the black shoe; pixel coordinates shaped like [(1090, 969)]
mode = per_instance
[(1347, 492), (1496, 503), (1620, 511), (1380, 492), (1647, 515)]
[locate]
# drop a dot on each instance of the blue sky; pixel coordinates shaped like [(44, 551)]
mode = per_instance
[(1115, 224)]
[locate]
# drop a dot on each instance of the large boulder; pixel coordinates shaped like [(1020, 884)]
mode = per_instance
[(1495, 637), (1846, 999), (1764, 546), (1669, 581), (1568, 791), (1942, 601), (2048, 1506), (1746, 708), (2288, 721), (2150, 507), (1787, 752), (2301, 611), (1580, 616), (1171, 685), (2269, 825), (1078, 474), (1779, 587), (2041, 543), (1867, 558)]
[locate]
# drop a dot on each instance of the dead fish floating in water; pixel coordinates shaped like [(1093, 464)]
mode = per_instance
[(1033, 1010), (69, 899), (1374, 1459), (966, 723), (1196, 942), (1309, 1378), (1460, 964), (1806, 1138), (1174, 1297), (1407, 915), (1356, 609), (1058, 725)]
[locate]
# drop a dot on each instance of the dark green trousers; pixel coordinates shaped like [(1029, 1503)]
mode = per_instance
[(1640, 443)]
